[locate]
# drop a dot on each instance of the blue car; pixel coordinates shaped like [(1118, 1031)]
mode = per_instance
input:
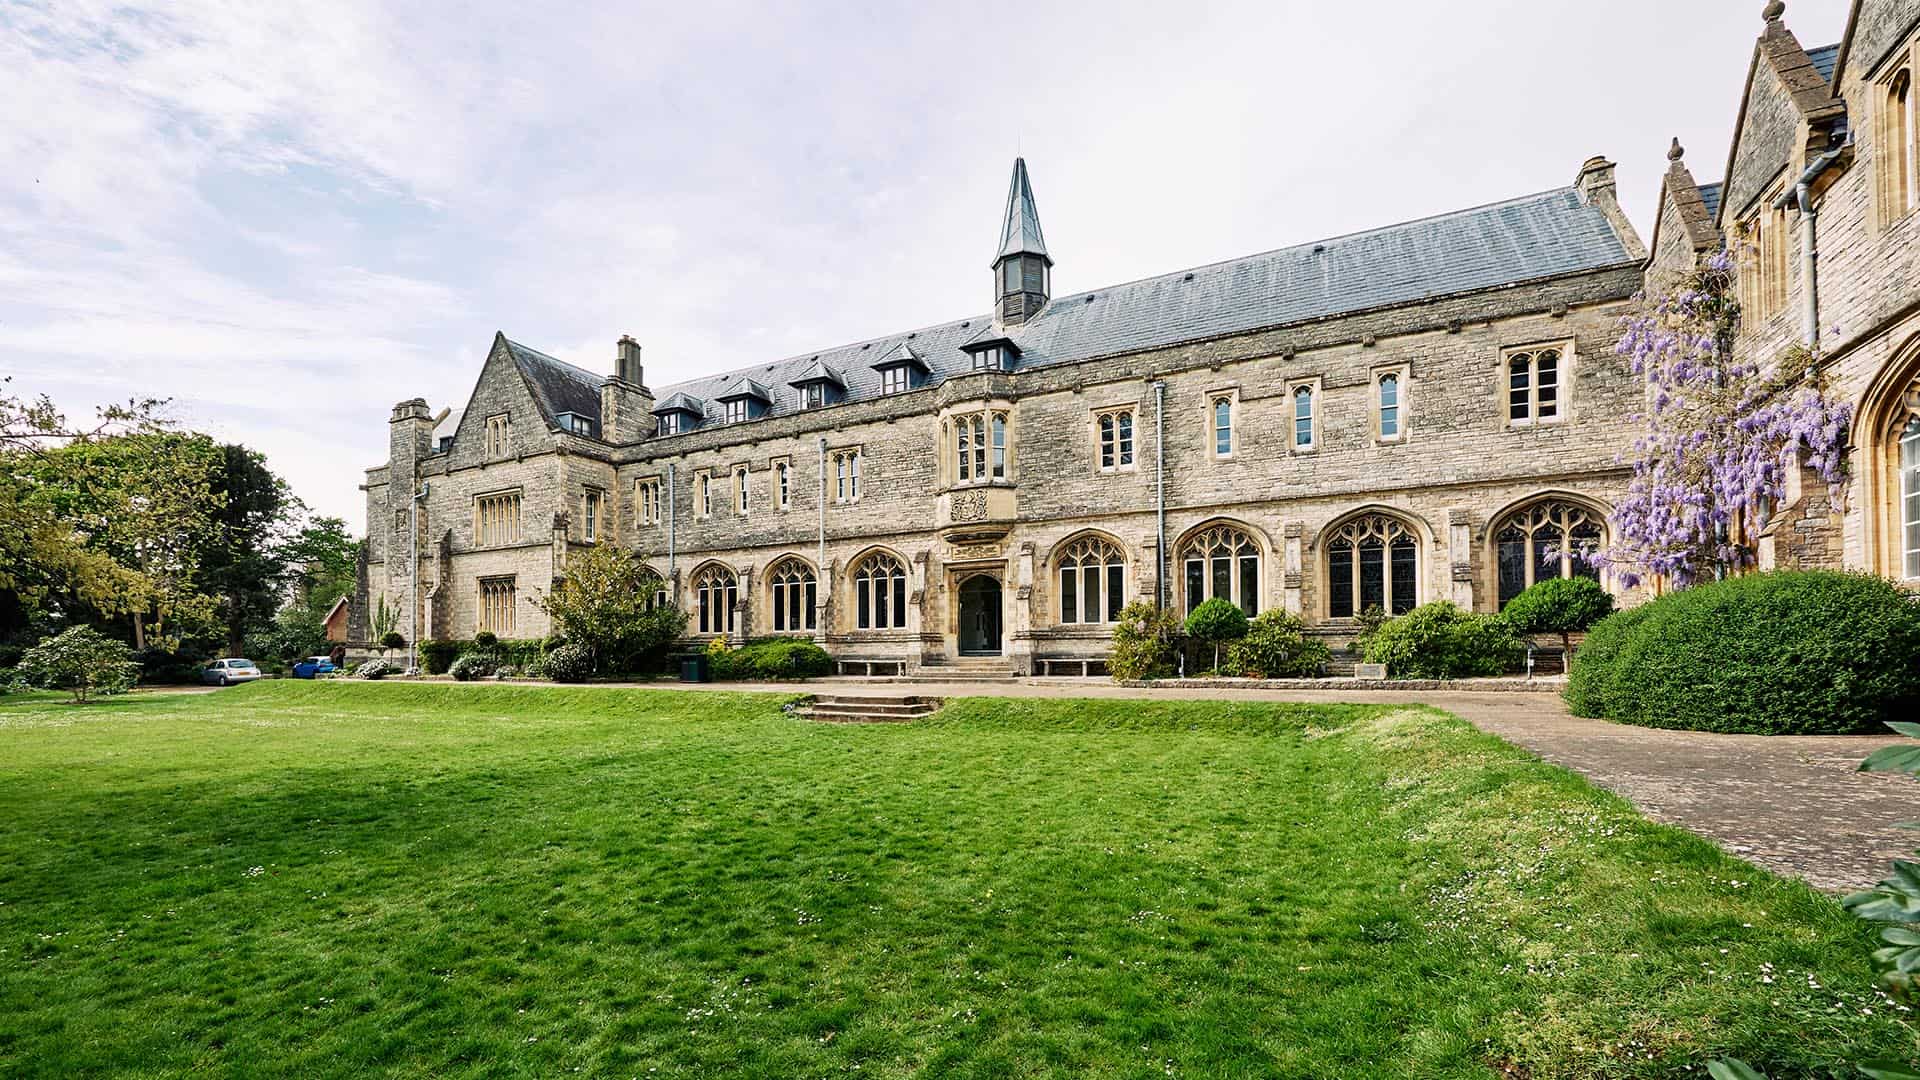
[(313, 666)]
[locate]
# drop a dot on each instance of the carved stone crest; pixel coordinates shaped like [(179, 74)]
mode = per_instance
[(969, 505)]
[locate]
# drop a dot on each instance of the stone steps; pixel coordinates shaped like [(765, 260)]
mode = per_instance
[(867, 708)]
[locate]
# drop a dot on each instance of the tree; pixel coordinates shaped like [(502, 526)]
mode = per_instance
[(1721, 434), (44, 559), (80, 660), (1216, 622), (244, 563), (1561, 606), (601, 604), (321, 559)]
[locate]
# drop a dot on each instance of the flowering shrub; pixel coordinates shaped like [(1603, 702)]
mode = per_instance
[(1143, 642), (472, 666), (374, 669), (569, 663), (1721, 435), (81, 661)]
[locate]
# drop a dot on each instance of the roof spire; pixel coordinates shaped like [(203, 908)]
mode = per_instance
[(1020, 230), (1676, 151), (1773, 11)]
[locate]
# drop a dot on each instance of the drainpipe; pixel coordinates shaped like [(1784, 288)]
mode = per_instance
[(673, 496), (823, 514), (1800, 195), (413, 585), (1160, 493)]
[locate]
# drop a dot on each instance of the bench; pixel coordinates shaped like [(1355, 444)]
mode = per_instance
[(1070, 665), (869, 666)]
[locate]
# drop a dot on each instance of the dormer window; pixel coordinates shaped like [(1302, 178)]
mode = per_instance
[(813, 395), (577, 424), (673, 423), (992, 353), (736, 410), (679, 414), (819, 385), (900, 370), (445, 444)]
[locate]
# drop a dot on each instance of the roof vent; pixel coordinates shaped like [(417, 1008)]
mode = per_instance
[(1089, 298), (1319, 249), (867, 346), (1189, 276), (966, 324)]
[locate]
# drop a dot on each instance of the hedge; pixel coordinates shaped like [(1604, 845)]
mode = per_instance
[(1440, 641), (438, 656), (771, 659), (1790, 652)]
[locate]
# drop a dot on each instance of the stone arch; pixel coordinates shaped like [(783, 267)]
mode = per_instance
[(1890, 404), (792, 585), (1087, 575), (1542, 535), (1372, 555), (877, 585), (1222, 556), (716, 595)]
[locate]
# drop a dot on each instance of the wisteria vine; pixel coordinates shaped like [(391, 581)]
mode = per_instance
[(1721, 435)]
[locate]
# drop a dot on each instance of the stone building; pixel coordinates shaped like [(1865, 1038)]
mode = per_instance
[(1818, 205), (1422, 411)]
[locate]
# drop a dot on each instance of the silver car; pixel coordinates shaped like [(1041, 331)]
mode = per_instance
[(228, 672)]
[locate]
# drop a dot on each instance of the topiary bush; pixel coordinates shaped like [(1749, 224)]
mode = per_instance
[(569, 664), (486, 639), (1440, 641), (1276, 646), (1145, 643), (393, 639), (472, 666), (1564, 606), (437, 657), (1215, 623), (1789, 652)]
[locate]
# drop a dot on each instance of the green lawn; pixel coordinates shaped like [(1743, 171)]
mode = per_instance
[(313, 879)]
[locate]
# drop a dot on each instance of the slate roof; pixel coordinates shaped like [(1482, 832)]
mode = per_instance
[(814, 372), (1534, 236), (557, 386), (1823, 59), (1710, 194), (1020, 228), (681, 403)]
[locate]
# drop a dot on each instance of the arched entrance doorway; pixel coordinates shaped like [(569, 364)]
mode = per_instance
[(980, 616)]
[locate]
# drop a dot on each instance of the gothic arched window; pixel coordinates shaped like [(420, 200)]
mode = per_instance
[(1372, 561), (1910, 498), (880, 593), (1222, 561), (1544, 540), (794, 590), (714, 591), (1093, 576)]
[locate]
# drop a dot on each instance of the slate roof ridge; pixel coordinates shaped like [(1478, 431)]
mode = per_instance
[(1517, 200), (570, 369)]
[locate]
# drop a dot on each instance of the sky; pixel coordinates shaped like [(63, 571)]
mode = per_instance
[(287, 217)]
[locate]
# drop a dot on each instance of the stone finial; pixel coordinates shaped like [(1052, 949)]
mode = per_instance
[(1773, 11), (1676, 151)]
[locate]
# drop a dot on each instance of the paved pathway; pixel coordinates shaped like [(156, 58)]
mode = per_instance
[(1793, 804)]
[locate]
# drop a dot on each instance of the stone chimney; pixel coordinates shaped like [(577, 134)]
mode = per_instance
[(1597, 189), (409, 439), (626, 405)]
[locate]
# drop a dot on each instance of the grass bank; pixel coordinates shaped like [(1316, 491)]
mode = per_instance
[(335, 879)]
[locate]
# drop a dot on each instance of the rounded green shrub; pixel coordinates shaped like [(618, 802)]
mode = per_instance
[(1215, 623), (1145, 641), (1590, 680), (1789, 652), (1440, 641), (777, 659), (1276, 646), (486, 639), (569, 664), (1564, 606)]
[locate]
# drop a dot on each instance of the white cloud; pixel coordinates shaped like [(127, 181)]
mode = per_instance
[(290, 216)]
